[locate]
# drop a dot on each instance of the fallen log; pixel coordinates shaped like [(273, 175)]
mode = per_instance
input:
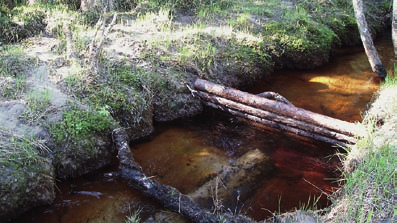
[(169, 197), (276, 114), (283, 127), (274, 120)]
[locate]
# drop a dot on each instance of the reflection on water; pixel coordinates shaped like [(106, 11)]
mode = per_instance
[(340, 89)]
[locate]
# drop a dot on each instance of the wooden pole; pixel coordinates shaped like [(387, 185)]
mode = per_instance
[(376, 64)]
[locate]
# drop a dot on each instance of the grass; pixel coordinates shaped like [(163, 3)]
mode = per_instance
[(134, 217), (13, 64), (371, 187), (368, 194), (20, 155), (78, 124), (39, 102)]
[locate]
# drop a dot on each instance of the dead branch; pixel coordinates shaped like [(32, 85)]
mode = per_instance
[(167, 196)]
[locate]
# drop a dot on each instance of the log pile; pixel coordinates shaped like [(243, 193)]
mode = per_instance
[(276, 114)]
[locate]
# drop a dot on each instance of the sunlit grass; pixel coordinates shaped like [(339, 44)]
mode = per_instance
[(368, 194)]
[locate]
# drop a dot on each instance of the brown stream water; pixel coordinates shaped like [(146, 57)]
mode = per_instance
[(187, 153)]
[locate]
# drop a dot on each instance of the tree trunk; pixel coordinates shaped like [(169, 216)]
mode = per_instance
[(90, 5), (394, 28), (376, 64), (167, 196), (276, 114)]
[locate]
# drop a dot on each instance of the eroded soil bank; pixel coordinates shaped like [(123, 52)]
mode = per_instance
[(60, 99)]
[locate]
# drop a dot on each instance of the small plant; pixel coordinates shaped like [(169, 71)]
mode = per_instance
[(134, 217), (38, 104), (78, 124)]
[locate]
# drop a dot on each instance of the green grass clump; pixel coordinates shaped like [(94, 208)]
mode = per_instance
[(21, 162), (191, 6), (370, 188), (78, 124), (134, 217), (13, 64)]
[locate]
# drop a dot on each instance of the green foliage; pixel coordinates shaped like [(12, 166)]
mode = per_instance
[(125, 5), (192, 6), (21, 22), (78, 124)]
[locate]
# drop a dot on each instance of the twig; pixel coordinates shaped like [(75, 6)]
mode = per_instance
[(323, 192), (69, 47), (191, 90)]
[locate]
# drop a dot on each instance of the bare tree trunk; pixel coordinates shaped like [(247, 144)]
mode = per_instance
[(31, 2), (376, 64), (394, 27), (89, 5)]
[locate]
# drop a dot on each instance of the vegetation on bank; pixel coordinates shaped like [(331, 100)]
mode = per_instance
[(153, 51), (369, 188)]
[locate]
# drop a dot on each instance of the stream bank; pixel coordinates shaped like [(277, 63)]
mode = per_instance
[(62, 114)]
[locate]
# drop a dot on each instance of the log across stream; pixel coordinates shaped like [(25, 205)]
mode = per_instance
[(276, 114), (187, 154)]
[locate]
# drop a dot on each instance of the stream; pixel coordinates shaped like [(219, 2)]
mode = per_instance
[(187, 153)]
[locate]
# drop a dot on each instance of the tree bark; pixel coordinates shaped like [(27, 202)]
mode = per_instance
[(394, 28), (376, 64), (167, 196), (282, 110), (90, 5)]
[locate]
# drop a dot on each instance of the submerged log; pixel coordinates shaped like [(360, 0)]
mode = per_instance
[(235, 183), (169, 197), (276, 114)]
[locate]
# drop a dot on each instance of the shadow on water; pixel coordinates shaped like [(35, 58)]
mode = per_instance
[(187, 153)]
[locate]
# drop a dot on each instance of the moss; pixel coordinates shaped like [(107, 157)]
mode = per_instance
[(78, 124), (302, 38)]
